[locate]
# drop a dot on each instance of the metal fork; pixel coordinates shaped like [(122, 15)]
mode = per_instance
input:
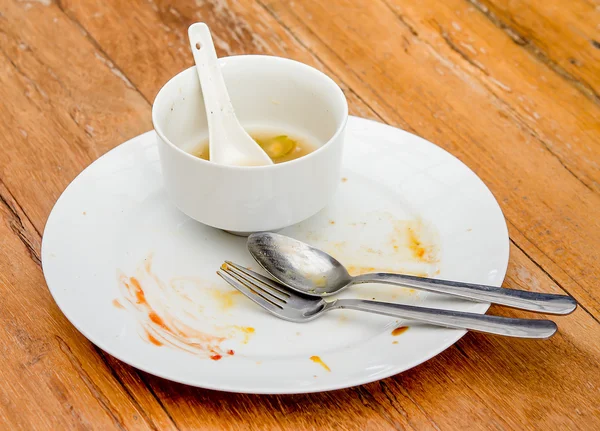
[(296, 307)]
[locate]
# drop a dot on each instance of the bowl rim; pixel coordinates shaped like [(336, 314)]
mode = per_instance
[(339, 130)]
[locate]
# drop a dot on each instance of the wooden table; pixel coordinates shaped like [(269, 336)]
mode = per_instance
[(512, 88)]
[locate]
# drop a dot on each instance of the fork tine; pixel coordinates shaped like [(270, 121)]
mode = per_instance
[(280, 292), (250, 293), (255, 285)]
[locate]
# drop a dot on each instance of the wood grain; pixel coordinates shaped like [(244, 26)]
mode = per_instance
[(491, 81), (564, 38)]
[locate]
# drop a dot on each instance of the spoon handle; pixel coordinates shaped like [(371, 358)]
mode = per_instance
[(519, 328), (532, 301)]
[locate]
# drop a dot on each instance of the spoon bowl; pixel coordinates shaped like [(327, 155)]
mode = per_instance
[(311, 271), (298, 265)]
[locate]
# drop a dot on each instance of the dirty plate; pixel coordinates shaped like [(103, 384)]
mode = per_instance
[(137, 277)]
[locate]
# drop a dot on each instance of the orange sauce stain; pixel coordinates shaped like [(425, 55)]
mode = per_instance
[(156, 319), (394, 342), (139, 292), (224, 266), (160, 326), (344, 179), (406, 235), (117, 304), (331, 221), (318, 360), (414, 243), (153, 340), (399, 330)]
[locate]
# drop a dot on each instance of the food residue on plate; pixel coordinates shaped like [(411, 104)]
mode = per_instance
[(344, 179), (177, 313), (359, 270), (247, 331), (318, 360), (399, 330), (225, 299), (117, 304), (414, 236)]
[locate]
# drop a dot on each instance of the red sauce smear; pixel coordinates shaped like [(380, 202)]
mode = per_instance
[(230, 352), (399, 330), (215, 357)]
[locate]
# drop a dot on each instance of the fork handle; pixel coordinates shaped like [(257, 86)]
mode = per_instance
[(519, 328), (522, 299)]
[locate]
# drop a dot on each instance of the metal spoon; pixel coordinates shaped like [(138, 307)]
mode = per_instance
[(229, 143), (311, 271)]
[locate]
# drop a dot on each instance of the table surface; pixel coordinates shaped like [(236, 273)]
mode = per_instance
[(511, 87)]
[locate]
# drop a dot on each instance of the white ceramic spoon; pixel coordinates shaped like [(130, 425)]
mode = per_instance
[(229, 143)]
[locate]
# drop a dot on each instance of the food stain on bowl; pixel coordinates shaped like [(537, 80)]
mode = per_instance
[(181, 313), (318, 360)]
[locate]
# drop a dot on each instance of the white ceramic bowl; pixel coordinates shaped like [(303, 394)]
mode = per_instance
[(266, 91)]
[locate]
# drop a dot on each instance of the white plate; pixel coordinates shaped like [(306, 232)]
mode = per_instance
[(403, 204)]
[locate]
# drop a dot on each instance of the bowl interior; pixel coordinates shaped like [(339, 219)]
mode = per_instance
[(266, 93)]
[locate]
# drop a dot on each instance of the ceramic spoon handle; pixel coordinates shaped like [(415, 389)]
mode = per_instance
[(532, 301), (520, 328)]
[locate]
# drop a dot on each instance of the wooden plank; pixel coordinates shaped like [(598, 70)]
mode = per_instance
[(416, 407), (476, 390), (63, 104), (564, 35), (156, 38), (425, 88), (548, 109)]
